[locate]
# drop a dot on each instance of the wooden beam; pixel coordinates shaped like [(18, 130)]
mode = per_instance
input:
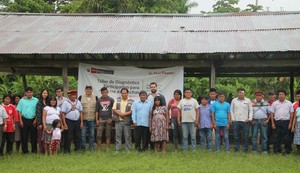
[(65, 77), (292, 87), (212, 75), (24, 81)]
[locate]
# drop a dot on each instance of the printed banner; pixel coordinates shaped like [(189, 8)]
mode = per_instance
[(133, 78)]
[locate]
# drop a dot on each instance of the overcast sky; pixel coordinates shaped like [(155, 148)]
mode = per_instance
[(274, 5)]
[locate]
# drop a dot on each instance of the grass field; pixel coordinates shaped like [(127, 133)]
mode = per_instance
[(172, 161)]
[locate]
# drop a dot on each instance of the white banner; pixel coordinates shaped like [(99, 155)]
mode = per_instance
[(133, 78)]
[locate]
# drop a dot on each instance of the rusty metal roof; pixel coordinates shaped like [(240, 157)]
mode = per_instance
[(149, 33)]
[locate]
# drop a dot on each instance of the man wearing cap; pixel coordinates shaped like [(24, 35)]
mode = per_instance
[(72, 119), (241, 116), (282, 115), (270, 131), (88, 101), (260, 121)]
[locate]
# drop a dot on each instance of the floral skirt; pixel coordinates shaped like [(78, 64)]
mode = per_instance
[(158, 131), (297, 133)]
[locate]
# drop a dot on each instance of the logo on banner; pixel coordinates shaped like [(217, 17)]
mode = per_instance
[(162, 73), (99, 71)]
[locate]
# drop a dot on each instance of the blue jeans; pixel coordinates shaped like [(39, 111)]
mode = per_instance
[(239, 126), (205, 136), (90, 126), (259, 124), (176, 132), (188, 128), (218, 137)]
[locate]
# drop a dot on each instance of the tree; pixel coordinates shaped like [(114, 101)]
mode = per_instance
[(226, 6), (29, 6), (254, 8)]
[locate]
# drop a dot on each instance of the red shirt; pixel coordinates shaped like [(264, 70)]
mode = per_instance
[(295, 105), (17, 118), (12, 114)]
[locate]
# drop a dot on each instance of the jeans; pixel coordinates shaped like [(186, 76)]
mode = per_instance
[(90, 126), (282, 131), (188, 128), (259, 124), (239, 126), (176, 131), (205, 136), (120, 128), (218, 137)]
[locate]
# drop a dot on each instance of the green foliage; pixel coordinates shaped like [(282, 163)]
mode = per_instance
[(226, 6), (254, 8), (29, 6)]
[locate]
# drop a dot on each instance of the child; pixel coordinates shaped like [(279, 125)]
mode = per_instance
[(56, 136), (220, 111), (205, 124)]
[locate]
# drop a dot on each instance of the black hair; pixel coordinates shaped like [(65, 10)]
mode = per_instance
[(298, 92), (59, 88), (142, 92), (103, 89), (50, 99), (212, 90), (7, 95), (178, 92), (221, 93), (55, 122), (14, 97), (88, 87), (160, 102), (281, 91), (41, 96), (240, 89), (124, 89), (188, 89), (153, 83), (28, 89), (203, 97)]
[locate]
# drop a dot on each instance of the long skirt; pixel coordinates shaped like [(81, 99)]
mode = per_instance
[(297, 134), (158, 131)]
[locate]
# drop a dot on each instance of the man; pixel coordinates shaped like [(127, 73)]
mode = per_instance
[(154, 93), (88, 101), (188, 118), (59, 96), (212, 96), (241, 116), (282, 115), (104, 117), (140, 116), (28, 122), (122, 117), (72, 119), (270, 131), (260, 121), (3, 125), (220, 113)]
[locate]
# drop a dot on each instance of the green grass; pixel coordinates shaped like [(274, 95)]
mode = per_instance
[(172, 161)]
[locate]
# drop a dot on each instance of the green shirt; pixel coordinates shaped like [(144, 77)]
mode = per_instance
[(28, 107)]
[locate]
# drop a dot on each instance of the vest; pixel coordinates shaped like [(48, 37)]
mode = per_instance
[(88, 107), (127, 109)]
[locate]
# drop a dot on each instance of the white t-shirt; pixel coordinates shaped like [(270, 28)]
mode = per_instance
[(52, 114), (188, 109), (56, 134)]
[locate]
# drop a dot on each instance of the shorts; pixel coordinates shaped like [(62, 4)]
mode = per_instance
[(108, 126)]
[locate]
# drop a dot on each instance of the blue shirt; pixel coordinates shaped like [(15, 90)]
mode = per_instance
[(28, 107), (141, 112), (221, 111), (260, 109), (70, 114), (205, 116)]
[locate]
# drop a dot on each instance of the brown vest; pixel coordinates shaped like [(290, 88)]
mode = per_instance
[(89, 107)]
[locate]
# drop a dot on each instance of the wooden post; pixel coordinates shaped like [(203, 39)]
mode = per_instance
[(292, 87), (65, 77), (24, 81), (212, 75)]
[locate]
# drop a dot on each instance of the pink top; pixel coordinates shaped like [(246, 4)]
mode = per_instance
[(174, 108)]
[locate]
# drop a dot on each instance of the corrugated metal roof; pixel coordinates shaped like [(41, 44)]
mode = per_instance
[(148, 33)]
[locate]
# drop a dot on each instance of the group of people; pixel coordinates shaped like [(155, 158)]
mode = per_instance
[(54, 122)]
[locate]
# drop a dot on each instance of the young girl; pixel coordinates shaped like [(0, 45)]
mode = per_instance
[(9, 132), (159, 120), (56, 136)]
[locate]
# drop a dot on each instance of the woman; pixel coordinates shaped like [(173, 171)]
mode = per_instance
[(50, 113), (9, 131), (159, 120), (15, 100), (43, 100), (174, 113)]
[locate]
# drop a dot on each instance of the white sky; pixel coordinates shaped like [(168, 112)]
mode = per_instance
[(274, 5)]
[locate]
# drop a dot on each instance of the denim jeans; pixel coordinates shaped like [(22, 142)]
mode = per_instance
[(176, 132), (205, 136), (188, 128), (218, 137), (259, 124), (90, 126), (239, 126)]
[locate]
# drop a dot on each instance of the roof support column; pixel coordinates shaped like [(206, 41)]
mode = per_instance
[(212, 75), (24, 81), (292, 87), (65, 77)]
